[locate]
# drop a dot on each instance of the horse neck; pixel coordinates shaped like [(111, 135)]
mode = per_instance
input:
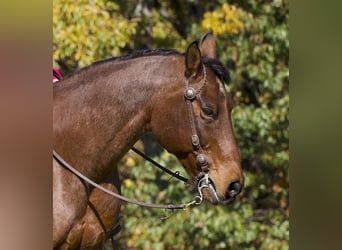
[(100, 112)]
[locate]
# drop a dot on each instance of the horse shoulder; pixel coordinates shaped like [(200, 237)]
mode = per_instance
[(69, 201)]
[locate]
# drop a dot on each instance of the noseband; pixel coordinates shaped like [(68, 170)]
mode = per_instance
[(202, 179)]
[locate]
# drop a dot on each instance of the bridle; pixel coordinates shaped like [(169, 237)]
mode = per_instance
[(202, 180)]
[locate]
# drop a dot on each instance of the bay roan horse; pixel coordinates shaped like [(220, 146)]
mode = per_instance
[(100, 111)]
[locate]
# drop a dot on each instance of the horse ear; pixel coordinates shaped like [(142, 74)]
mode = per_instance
[(208, 45), (193, 61)]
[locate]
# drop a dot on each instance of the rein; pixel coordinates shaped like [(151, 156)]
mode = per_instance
[(173, 174), (202, 180), (60, 160)]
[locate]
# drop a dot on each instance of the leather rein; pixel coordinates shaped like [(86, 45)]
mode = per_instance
[(202, 180)]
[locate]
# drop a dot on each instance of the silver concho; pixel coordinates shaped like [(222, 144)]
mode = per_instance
[(190, 94)]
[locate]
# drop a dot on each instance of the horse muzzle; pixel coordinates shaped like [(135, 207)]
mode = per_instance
[(207, 186)]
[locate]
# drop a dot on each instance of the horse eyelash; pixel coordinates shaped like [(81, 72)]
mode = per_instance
[(209, 112)]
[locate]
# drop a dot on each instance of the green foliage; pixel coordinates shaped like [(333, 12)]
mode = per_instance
[(85, 31), (258, 58), (252, 41), (204, 227)]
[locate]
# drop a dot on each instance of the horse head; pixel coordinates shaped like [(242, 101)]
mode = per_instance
[(199, 132)]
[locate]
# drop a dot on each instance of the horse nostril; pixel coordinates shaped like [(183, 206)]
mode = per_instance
[(234, 189)]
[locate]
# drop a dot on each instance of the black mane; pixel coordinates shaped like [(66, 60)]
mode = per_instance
[(215, 65), (141, 53)]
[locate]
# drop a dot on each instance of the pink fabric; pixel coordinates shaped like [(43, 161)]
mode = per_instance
[(56, 71)]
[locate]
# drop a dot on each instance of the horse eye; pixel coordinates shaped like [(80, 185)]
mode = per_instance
[(209, 112)]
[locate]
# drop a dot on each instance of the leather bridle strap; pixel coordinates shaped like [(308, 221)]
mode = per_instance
[(174, 174), (60, 160), (190, 95), (202, 179)]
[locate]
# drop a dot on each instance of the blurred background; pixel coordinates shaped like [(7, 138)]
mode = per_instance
[(253, 43)]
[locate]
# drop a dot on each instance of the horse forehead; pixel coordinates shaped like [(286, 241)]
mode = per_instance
[(221, 89), (221, 86), (227, 96)]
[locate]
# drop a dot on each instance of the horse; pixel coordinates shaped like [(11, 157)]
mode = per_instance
[(100, 111)]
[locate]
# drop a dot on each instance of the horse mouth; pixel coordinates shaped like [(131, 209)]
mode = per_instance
[(211, 195), (227, 201), (207, 191), (211, 189), (213, 199)]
